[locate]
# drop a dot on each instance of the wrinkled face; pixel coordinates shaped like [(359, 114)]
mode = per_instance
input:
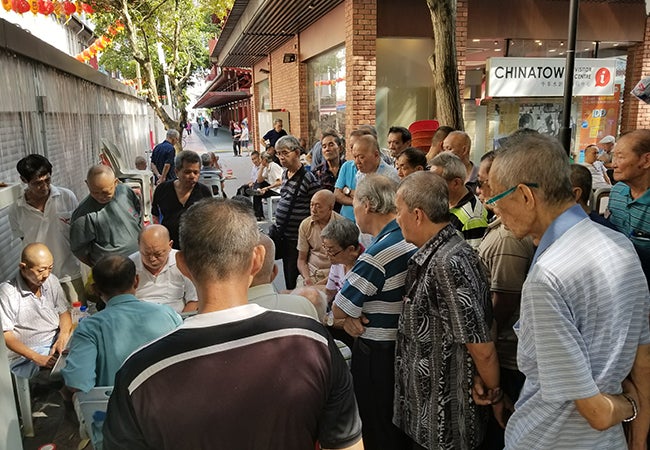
[(406, 219), (591, 154), (188, 174), (360, 215), (320, 209), (366, 158), (455, 143), (404, 168), (102, 187), (395, 144), (333, 250), (330, 148), (628, 165), (607, 147), (39, 187), (349, 155), (289, 158), (36, 272), (154, 252), (483, 188), (510, 208)]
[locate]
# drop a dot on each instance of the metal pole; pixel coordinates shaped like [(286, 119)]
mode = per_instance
[(565, 130)]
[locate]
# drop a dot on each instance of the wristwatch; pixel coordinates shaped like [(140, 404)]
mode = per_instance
[(346, 190)]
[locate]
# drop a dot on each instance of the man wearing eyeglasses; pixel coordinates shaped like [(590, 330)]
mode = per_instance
[(42, 214), (583, 326)]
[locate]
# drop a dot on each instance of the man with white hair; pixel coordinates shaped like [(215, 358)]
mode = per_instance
[(607, 145), (162, 157)]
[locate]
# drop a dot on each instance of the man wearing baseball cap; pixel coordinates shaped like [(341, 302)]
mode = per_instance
[(606, 144)]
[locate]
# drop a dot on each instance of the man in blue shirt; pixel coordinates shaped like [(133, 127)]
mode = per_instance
[(583, 326), (162, 157), (102, 342)]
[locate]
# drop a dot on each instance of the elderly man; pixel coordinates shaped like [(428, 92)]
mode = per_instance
[(209, 173), (467, 212), (607, 145), (367, 158), (313, 263), (160, 281), (262, 292), (328, 171), (443, 337), (35, 315), (162, 157), (437, 141), (103, 341), (399, 139), (583, 325), (42, 214), (346, 181), (108, 221), (284, 403), (370, 301), (629, 199), (298, 187), (172, 198), (460, 144), (271, 137)]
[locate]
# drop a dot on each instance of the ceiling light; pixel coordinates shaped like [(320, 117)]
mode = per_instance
[(497, 49), (476, 40), (553, 50), (561, 44)]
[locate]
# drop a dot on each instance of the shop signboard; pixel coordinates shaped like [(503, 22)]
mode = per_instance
[(544, 77), (599, 117)]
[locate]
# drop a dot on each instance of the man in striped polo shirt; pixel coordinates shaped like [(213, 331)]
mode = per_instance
[(299, 183), (236, 375), (370, 301), (583, 326), (629, 200)]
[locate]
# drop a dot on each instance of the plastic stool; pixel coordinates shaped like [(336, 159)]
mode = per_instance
[(25, 404)]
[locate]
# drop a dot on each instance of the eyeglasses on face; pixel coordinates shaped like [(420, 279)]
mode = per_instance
[(493, 201), (329, 251)]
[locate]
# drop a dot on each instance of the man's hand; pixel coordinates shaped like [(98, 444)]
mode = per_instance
[(46, 361), (354, 326)]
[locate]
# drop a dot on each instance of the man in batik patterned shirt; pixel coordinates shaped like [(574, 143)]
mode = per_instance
[(443, 336)]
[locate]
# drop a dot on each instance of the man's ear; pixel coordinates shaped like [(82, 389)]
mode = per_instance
[(136, 282), (259, 252), (528, 196), (182, 265), (577, 193)]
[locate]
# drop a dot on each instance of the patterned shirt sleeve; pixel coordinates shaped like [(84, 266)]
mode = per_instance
[(363, 282)]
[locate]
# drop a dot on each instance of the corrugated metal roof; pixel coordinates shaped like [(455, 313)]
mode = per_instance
[(270, 24)]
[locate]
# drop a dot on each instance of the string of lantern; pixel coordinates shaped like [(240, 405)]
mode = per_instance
[(47, 7), (100, 43), (329, 82)]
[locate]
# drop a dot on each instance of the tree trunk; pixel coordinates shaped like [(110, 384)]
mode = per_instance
[(444, 65)]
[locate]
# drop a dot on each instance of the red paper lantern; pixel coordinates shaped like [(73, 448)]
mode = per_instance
[(87, 8), (23, 6), (45, 7), (69, 8)]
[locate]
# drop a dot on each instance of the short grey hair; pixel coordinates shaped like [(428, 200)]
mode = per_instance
[(206, 159), (186, 156), (288, 143), (266, 156), (343, 231), (172, 133), (451, 166), (378, 192), (217, 238), (539, 159), (427, 191)]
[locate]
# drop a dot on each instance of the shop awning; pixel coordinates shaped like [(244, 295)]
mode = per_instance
[(214, 99)]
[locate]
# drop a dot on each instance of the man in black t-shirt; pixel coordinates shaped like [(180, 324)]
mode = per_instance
[(272, 136), (236, 375)]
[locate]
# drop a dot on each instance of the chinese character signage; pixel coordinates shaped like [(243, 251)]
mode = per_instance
[(544, 77)]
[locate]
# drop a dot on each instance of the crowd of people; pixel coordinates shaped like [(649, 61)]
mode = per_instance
[(486, 306)]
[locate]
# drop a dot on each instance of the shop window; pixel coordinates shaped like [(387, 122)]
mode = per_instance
[(326, 93), (263, 94)]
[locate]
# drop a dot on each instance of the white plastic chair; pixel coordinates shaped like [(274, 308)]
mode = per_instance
[(25, 404), (213, 181), (599, 200)]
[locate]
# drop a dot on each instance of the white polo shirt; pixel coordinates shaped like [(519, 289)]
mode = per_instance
[(51, 227), (170, 287), (34, 320)]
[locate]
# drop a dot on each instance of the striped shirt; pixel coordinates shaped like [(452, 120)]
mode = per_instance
[(469, 217), (580, 325), (241, 378), (375, 285), (632, 218), (291, 220)]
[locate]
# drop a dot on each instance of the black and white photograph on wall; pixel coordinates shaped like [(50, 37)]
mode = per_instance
[(545, 118)]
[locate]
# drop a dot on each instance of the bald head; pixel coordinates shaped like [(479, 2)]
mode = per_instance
[(459, 143), (268, 271), (101, 183), (36, 263), (154, 245)]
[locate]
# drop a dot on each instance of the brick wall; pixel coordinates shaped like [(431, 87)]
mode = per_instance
[(636, 114), (288, 83), (461, 42), (360, 62)]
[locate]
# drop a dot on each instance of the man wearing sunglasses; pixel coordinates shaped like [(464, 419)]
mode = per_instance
[(583, 326)]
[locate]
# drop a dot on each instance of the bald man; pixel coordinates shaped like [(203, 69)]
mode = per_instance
[(263, 293), (460, 144), (160, 280), (313, 262), (367, 158), (107, 221), (35, 314)]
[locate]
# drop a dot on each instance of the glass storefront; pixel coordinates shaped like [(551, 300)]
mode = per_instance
[(326, 93)]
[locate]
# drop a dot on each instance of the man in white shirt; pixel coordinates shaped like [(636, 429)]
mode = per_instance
[(42, 214), (160, 280)]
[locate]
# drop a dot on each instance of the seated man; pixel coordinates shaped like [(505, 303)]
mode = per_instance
[(35, 314), (160, 280), (102, 342), (209, 170), (262, 292), (313, 263)]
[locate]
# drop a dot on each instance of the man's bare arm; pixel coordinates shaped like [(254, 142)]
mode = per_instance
[(303, 267), (640, 380), (342, 198), (163, 175), (14, 344)]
